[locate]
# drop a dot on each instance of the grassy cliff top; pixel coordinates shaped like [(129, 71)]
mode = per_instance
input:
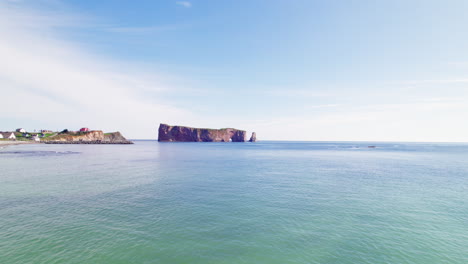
[(203, 128)]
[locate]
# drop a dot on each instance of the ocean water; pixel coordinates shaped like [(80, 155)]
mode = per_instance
[(265, 202)]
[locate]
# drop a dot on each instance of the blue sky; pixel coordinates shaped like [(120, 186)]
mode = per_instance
[(289, 70)]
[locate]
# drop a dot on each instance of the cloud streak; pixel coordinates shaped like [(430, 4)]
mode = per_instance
[(185, 4), (143, 30), (429, 122), (44, 77), (50, 82)]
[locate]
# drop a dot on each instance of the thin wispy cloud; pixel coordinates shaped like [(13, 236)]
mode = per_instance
[(370, 123), (298, 93), (441, 81), (185, 4), (48, 69), (441, 99), (58, 79), (322, 106), (141, 30)]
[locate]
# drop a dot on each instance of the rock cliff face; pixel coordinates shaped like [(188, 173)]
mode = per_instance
[(253, 138), (114, 137), (191, 134), (91, 137)]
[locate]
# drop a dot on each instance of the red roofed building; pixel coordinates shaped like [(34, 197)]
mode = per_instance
[(84, 129)]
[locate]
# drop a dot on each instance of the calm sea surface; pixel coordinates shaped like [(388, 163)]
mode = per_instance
[(265, 202)]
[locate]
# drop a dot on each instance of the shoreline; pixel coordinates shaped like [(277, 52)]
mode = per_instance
[(92, 142), (4, 144)]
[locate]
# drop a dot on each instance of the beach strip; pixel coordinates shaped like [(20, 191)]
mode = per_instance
[(5, 143)]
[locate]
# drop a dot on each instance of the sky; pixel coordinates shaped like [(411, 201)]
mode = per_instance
[(393, 70)]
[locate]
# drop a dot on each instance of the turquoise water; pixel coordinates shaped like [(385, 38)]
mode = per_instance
[(265, 202)]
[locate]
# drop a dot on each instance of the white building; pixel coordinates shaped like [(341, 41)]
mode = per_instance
[(8, 135), (35, 138), (21, 130)]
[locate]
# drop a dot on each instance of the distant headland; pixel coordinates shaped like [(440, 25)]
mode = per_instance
[(82, 136), (169, 133)]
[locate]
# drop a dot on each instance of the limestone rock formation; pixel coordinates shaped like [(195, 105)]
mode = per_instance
[(94, 137), (191, 134), (114, 137), (253, 138)]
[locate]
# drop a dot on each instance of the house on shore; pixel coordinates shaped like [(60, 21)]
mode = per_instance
[(21, 130), (46, 131), (84, 129), (35, 138), (8, 135)]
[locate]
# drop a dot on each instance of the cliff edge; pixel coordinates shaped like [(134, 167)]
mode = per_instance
[(89, 137), (169, 133), (253, 138)]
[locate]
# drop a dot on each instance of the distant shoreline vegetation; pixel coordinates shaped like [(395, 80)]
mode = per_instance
[(82, 136)]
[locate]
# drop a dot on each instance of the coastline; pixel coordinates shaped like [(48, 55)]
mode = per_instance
[(4, 144)]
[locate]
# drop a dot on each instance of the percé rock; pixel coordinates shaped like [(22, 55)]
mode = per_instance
[(190, 134), (90, 137), (253, 138)]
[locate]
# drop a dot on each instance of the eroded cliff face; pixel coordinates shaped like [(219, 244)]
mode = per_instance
[(114, 137), (83, 136), (191, 134), (253, 138), (95, 136)]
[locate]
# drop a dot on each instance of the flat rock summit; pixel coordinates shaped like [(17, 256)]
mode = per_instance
[(169, 133)]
